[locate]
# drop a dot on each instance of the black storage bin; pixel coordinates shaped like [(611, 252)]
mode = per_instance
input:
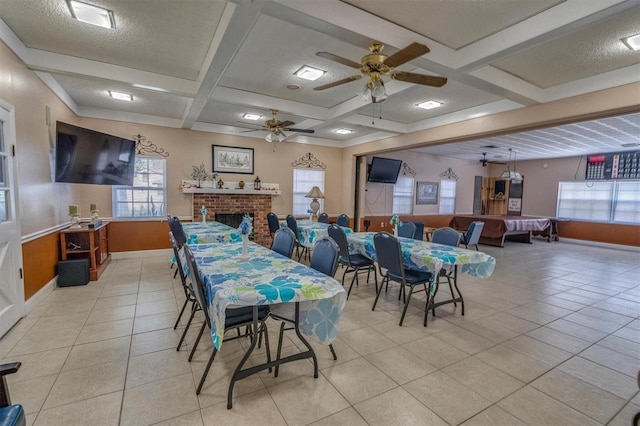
[(73, 272)]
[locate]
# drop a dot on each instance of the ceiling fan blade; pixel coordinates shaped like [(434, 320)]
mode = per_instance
[(339, 59), (412, 51), (339, 82), (284, 124), (291, 129), (427, 80)]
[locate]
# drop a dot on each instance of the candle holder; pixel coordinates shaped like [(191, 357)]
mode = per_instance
[(95, 216), (75, 221)]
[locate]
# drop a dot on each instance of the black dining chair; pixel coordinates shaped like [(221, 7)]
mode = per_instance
[(189, 295), (301, 250), (419, 233), (324, 259), (407, 229), (472, 236), (175, 226), (10, 414), (450, 237), (343, 220), (355, 263), (283, 242), (389, 256), (273, 222), (236, 318), (323, 218)]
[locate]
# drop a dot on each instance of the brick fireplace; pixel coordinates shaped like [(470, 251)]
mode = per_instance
[(257, 204)]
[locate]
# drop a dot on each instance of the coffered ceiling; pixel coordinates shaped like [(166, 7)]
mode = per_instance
[(202, 64)]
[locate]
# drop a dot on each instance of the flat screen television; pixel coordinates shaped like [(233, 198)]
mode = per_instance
[(87, 156), (384, 170)]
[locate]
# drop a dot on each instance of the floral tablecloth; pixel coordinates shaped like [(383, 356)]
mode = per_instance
[(210, 232), (426, 256), (309, 232), (268, 278)]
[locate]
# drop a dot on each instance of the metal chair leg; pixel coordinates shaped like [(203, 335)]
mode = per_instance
[(186, 301), (333, 352), (195, 345), (194, 309), (406, 305)]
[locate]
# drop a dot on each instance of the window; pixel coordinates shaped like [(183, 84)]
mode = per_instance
[(403, 195), (447, 196), (600, 201), (146, 198), (303, 181)]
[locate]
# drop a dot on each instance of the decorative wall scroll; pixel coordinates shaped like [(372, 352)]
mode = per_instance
[(146, 147), (406, 170), (310, 161), (448, 174)]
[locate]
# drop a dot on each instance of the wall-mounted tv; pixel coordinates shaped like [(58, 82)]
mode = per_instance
[(384, 170), (87, 156)]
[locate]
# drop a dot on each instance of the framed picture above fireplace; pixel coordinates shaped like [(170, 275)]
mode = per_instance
[(229, 159)]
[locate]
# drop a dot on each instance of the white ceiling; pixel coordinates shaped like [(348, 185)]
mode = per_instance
[(210, 61)]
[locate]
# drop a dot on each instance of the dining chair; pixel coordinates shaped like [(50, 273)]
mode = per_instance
[(236, 318), (283, 242), (10, 414), (472, 236), (324, 259), (189, 295), (355, 263), (419, 234), (407, 229), (449, 237), (343, 220), (301, 250), (323, 218), (273, 222), (389, 256), (175, 226)]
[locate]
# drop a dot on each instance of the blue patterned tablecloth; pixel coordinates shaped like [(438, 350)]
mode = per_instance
[(210, 232), (426, 256), (309, 232), (268, 278)]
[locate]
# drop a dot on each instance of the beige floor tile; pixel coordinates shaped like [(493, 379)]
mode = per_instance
[(410, 330), (617, 383), (493, 332), (358, 380), (590, 400), (397, 407), (95, 353), (38, 364), (113, 301), (366, 340), (614, 360), (68, 307), (606, 315), (559, 339), (44, 340), (152, 308), (400, 364), (105, 331), (254, 408), (156, 366), (155, 296), (103, 410), (511, 322), (348, 417), (621, 345), (513, 363), (595, 323), (493, 416), (536, 349), (445, 396), (88, 382), (32, 393), (53, 323), (487, 381), (435, 351), (535, 408), (320, 398), (157, 340), (464, 340), (190, 419), (111, 314), (119, 289), (158, 401), (157, 321), (629, 333), (625, 416)]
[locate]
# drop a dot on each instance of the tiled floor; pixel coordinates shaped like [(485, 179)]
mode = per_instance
[(552, 338)]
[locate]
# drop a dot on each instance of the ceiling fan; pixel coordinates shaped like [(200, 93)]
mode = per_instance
[(276, 128), (377, 64), (484, 160)]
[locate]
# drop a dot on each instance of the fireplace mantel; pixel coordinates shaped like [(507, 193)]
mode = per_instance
[(230, 191), (210, 187)]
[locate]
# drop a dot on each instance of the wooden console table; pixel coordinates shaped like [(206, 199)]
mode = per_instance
[(87, 243)]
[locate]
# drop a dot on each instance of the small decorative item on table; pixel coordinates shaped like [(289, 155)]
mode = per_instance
[(203, 212), (95, 214), (75, 216), (310, 214), (395, 221), (241, 184), (220, 183), (245, 229), (257, 183)]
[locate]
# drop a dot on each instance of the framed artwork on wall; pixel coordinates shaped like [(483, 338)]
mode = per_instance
[(426, 192), (229, 159)]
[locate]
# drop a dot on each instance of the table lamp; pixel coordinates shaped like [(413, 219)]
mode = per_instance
[(315, 193)]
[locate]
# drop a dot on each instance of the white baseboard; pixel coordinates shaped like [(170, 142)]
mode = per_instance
[(599, 244), (42, 294), (140, 253)]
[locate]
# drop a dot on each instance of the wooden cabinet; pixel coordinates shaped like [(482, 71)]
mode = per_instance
[(87, 243), (501, 197)]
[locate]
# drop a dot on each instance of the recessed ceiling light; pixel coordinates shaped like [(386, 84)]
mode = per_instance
[(632, 42), (309, 73), (343, 131), (249, 116), (91, 14), (120, 96), (429, 104), (144, 86)]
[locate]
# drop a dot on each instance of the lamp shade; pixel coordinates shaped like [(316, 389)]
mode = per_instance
[(315, 193)]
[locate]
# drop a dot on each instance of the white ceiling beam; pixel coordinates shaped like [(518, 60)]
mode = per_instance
[(128, 117), (602, 81), (55, 87)]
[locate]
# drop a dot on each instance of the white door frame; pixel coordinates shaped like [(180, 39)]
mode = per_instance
[(12, 303)]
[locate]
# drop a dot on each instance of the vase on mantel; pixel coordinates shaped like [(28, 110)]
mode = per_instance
[(245, 247), (395, 231)]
